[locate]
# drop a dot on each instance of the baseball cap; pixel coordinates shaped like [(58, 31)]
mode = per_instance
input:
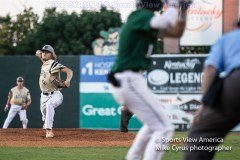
[(48, 48), (20, 79)]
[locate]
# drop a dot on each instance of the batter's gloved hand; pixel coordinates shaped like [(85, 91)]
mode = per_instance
[(59, 83), (6, 108)]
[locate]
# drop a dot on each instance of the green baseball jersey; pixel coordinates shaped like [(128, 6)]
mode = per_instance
[(137, 42)]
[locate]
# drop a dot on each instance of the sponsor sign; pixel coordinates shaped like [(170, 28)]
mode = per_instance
[(176, 79), (204, 23), (100, 111), (176, 74), (93, 72), (95, 68), (180, 108), (192, 105)]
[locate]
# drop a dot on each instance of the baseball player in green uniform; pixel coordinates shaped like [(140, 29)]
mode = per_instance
[(137, 42)]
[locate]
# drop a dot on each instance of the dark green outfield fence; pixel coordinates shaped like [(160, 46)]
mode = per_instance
[(67, 115)]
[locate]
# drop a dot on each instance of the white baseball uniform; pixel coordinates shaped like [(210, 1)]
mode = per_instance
[(144, 104), (51, 97), (19, 96), (137, 41)]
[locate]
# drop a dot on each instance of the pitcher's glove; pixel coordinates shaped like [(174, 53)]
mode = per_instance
[(59, 83)]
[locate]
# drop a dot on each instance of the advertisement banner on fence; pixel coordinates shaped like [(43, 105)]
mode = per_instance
[(176, 74), (204, 23), (95, 68), (180, 108), (176, 79), (93, 71), (100, 111)]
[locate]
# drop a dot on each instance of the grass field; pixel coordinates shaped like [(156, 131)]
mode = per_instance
[(105, 153)]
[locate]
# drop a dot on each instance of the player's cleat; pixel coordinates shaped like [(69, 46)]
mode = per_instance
[(124, 131), (49, 134), (24, 123)]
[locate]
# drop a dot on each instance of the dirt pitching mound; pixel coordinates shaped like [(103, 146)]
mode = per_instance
[(64, 138)]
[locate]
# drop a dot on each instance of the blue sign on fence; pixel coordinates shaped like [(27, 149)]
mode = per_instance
[(95, 68)]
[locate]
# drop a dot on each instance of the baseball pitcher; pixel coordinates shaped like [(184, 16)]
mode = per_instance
[(50, 84), (19, 99), (138, 39)]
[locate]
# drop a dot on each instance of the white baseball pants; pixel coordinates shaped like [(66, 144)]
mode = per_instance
[(135, 94), (48, 105), (14, 109)]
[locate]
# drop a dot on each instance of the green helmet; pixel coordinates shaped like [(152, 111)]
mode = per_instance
[(154, 5)]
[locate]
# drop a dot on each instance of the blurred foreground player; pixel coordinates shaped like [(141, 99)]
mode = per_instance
[(138, 39), (221, 109)]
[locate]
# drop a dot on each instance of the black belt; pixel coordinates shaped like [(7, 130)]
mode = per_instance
[(135, 70), (47, 93)]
